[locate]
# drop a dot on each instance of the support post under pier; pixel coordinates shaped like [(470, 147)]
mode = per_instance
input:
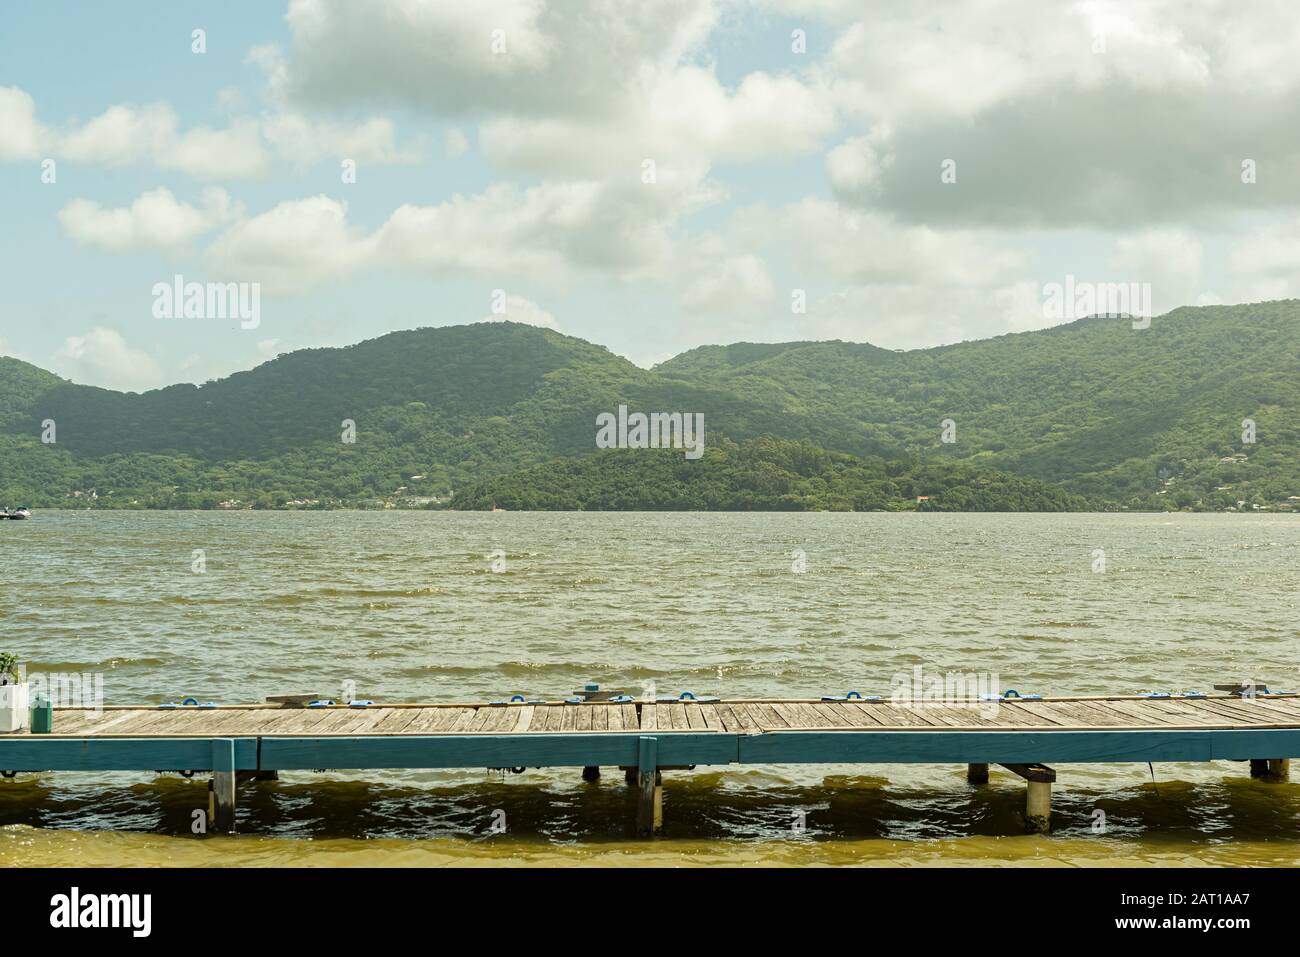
[(1271, 769), (650, 798), (221, 799), (1038, 800), (591, 773), (977, 774)]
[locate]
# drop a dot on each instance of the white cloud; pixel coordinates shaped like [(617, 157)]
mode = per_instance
[(581, 87), (155, 220), (855, 166), (295, 245), (1168, 259), (102, 357), (525, 57), (302, 141), (737, 286), (151, 135), (859, 245), (456, 143), (1061, 116), (615, 227), (21, 136), (917, 315), (1272, 251), (680, 114), (519, 309)]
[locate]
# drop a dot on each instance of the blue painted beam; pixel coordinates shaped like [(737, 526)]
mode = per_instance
[(1013, 747), (494, 751), (43, 753), (48, 753)]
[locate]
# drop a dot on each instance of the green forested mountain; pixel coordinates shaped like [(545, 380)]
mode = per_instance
[(1127, 418), (760, 475), (1116, 413), (448, 404)]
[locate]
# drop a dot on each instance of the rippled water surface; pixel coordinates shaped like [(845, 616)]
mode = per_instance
[(408, 606)]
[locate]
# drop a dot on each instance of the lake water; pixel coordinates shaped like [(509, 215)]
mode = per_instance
[(409, 607)]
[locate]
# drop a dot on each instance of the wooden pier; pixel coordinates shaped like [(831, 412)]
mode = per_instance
[(1024, 735)]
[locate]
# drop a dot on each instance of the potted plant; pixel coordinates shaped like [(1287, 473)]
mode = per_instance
[(13, 695)]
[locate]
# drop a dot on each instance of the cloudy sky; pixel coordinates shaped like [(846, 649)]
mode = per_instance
[(649, 176)]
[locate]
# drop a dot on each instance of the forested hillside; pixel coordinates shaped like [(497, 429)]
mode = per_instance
[(1128, 418), (760, 475), (1116, 413)]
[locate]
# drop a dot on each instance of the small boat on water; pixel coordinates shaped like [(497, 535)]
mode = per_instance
[(22, 511)]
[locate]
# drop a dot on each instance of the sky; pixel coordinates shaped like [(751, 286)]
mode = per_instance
[(648, 176)]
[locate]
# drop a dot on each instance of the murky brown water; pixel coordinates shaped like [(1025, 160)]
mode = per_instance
[(408, 607)]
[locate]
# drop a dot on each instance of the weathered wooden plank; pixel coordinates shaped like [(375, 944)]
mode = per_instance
[(1097, 715), (649, 716), (694, 717), (894, 716), (734, 719), (525, 718), (832, 714), (769, 715), (1240, 713), (1187, 714), (397, 720), (866, 714), (1142, 714), (677, 715), (178, 721), (712, 720), (545, 717), (569, 718), (630, 720), (1041, 713), (73, 720), (800, 713), (440, 720), (482, 720)]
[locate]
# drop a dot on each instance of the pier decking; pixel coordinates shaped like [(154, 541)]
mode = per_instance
[(646, 737)]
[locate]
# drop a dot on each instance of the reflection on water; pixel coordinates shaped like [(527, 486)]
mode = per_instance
[(407, 607)]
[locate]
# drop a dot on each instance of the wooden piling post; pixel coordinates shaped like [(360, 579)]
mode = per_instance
[(1271, 769), (1038, 807), (650, 806), (221, 804), (1038, 799), (630, 775), (591, 773), (977, 774)]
